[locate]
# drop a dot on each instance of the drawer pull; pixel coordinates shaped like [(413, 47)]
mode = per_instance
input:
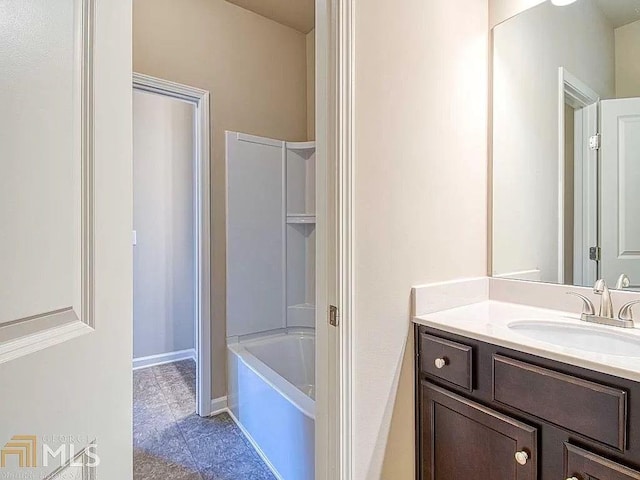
[(446, 360), (440, 362), (522, 457)]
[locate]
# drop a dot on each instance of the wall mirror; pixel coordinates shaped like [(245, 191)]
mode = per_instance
[(566, 144)]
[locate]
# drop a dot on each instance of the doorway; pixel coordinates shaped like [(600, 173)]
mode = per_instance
[(163, 231), (578, 185), (172, 398), (242, 105), (186, 244)]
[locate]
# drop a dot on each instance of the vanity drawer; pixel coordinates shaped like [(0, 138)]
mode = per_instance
[(579, 463), (591, 409), (446, 360)]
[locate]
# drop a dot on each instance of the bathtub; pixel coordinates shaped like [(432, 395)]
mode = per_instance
[(272, 398)]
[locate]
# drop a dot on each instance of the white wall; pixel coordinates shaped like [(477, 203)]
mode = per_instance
[(627, 64), (501, 10), (420, 198), (528, 50), (163, 266)]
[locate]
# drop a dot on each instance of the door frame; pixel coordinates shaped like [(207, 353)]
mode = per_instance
[(202, 202), (577, 94), (345, 155), (335, 241), (585, 270)]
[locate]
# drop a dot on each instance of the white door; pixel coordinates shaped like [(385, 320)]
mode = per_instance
[(65, 239), (620, 192)]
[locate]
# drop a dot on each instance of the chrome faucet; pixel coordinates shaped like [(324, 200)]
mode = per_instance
[(605, 314), (606, 304)]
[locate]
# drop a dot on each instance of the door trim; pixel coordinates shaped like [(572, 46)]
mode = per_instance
[(335, 69), (345, 146), (200, 98), (327, 387), (585, 270), (577, 94)]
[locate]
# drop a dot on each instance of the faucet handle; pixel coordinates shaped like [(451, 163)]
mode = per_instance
[(588, 308), (626, 312), (600, 286), (623, 282)]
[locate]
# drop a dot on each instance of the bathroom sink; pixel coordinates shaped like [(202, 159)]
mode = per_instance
[(579, 337)]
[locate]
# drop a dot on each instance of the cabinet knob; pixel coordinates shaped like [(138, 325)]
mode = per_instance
[(572, 478), (522, 457), (440, 362)]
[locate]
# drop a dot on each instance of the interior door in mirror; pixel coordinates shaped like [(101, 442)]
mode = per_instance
[(620, 191)]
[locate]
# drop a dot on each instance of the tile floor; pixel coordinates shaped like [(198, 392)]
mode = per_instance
[(171, 442)]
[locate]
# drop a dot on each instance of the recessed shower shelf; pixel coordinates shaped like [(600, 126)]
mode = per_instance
[(301, 218), (301, 145), (303, 306)]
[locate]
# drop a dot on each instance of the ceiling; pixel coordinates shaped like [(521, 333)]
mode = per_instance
[(620, 12), (297, 14)]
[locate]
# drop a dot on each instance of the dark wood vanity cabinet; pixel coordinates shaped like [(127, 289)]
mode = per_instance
[(490, 413), (467, 440)]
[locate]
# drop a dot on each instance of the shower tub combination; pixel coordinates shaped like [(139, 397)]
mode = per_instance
[(272, 398)]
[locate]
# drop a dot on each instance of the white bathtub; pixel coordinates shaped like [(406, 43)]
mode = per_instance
[(272, 397)]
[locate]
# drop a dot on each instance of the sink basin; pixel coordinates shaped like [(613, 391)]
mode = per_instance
[(586, 338)]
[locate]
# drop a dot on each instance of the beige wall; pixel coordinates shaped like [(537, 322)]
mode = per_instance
[(420, 198), (255, 70), (163, 218), (627, 64), (311, 85)]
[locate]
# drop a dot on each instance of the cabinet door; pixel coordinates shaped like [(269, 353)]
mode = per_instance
[(462, 439), (580, 464)]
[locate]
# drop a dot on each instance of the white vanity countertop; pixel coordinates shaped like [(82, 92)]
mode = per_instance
[(489, 321)]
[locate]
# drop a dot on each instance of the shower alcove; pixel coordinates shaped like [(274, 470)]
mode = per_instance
[(271, 254), (270, 234)]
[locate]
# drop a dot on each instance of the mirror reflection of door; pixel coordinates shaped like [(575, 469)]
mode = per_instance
[(578, 226), (566, 144), (620, 191)]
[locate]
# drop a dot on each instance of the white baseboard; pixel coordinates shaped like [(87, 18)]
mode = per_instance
[(150, 361), (255, 446), (218, 406)]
